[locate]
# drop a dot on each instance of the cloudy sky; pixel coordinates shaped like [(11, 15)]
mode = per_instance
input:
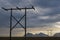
[(45, 15)]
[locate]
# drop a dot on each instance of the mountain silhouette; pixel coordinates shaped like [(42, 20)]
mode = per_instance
[(41, 35), (29, 35), (36, 35), (57, 35)]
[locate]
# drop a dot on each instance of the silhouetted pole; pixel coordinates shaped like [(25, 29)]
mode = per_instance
[(49, 32), (26, 18), (25, 23), (10, 23), (11, 27), (10, 20)]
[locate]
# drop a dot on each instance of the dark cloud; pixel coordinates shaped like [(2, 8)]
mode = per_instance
[(47, 3), (33, 19), (14, 2)]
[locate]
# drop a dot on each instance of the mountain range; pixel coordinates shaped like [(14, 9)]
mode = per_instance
[(36, 35), (41, 35)]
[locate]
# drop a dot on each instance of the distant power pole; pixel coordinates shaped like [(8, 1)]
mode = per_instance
[(49, 32), (18, 21)]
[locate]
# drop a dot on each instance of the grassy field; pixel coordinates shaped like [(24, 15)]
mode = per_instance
[(31, 38)]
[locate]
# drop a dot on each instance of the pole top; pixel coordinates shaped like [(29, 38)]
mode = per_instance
[(17, 8), (4, 8)]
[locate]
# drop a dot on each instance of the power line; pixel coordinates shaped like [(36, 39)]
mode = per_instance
[(18, 21)]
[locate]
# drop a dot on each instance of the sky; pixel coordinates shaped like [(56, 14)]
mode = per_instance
[(45, 15)]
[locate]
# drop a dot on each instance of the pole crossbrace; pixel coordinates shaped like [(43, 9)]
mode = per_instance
[(18, 21)]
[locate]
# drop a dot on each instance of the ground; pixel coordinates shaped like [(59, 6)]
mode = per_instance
[(31, 38)]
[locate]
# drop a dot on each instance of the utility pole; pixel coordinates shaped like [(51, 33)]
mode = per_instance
[(10, 23), (25, 17), (18, 21), (49, 32)]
